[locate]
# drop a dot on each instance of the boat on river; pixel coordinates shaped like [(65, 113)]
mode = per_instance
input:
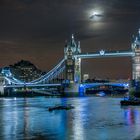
[(101, 94), (61, 107), (130, 101)]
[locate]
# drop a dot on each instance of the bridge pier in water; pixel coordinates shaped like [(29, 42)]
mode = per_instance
[(2, 82), (1, 90)]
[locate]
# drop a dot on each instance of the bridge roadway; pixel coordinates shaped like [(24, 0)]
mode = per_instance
[(103, 54), (88, 85), (32, 85)]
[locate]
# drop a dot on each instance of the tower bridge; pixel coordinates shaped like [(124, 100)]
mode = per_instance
[(69, 67)]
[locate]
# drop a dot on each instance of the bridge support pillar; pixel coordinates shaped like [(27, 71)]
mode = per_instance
[(2, 82), (73, 88), (1, 90)]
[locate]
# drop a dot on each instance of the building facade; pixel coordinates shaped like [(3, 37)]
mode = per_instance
[(25, 71)]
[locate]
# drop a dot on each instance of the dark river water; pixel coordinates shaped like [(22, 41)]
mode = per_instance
[(93, 118)]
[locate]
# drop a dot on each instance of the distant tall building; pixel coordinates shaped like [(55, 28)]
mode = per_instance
[(25, 71)]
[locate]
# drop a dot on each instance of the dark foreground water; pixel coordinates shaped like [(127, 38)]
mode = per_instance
[(94, 118)]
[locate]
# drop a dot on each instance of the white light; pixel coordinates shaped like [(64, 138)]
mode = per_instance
[(95, 14), (102, 52)]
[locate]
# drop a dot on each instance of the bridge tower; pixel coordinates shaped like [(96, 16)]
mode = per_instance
[(72, 63), (136, 58)]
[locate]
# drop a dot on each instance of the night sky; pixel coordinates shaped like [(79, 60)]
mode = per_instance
[(36, 30)]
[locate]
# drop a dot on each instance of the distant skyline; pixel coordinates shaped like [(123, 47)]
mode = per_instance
[(36, 30)]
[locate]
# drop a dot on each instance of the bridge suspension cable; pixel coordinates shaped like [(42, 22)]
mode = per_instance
[(50, 74), (59, 68)]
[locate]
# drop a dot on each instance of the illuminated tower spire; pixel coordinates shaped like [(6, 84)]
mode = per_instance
[(72, 37), (73, 41)]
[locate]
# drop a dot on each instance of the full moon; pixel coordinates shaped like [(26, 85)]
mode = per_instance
[(96, 15)]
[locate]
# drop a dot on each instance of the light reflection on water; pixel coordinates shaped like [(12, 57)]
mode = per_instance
[(93, 118)]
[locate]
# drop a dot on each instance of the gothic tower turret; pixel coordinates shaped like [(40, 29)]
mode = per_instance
[(73, 64)]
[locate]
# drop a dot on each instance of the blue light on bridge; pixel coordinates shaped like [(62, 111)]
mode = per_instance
[(81, 88)]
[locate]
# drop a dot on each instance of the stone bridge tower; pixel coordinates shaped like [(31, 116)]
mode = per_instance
[(136, 58), (73, 64)]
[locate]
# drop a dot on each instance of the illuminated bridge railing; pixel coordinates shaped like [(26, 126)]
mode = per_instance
[(32, 85), (87, 85), (103, 54)]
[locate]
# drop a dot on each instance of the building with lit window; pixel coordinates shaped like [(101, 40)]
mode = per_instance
[(25, 71)]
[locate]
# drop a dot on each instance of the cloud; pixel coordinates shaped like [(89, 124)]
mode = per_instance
[(7, 42)]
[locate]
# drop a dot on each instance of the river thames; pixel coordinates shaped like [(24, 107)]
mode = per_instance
[(93, 118)]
